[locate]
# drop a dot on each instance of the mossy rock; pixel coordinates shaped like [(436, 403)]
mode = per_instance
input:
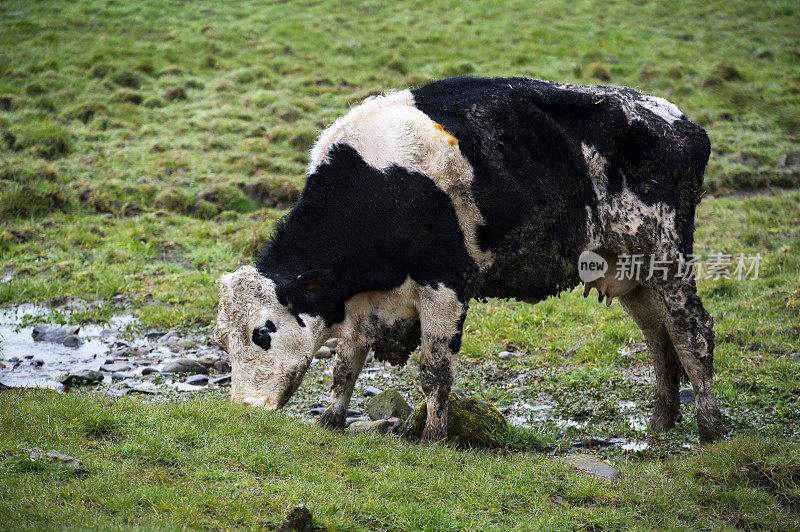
[(471, 422)]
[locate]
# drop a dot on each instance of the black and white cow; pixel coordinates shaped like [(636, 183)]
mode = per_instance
[(420, 200)]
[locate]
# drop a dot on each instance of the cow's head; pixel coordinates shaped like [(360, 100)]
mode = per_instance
[(270, 347)]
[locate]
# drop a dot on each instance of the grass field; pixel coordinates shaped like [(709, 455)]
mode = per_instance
[(147, 147)]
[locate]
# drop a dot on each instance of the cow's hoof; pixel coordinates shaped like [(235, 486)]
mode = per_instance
[(433, 435), (332, 421), (662, 421), (711, 428)]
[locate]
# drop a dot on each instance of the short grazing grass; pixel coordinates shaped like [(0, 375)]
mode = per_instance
[(212, 464)]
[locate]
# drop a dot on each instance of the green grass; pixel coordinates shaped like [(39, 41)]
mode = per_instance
[(147, 147), (211, 464)]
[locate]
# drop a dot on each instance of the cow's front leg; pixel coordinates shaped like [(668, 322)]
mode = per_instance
[(442, 319), (347, 366)]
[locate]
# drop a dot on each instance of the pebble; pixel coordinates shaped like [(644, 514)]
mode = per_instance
[(349, 421), (115, 367), (73, 341), (353, 413), (505, 354), (323, 353), (197, 380), (319, 404), (222, 379), (170, 338), (370, 391), (36, 362), (149, 370), (222, 366), (687, 396), (208, 360), (82, 378), (122, 375), (316, 411), (57, 335), (13, 360), (298, 520), (331, 343), (380, 426), (592, 465), (184, 365), (155, 335)]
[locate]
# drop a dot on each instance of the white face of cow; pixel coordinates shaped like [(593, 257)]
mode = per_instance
[(270, 350)]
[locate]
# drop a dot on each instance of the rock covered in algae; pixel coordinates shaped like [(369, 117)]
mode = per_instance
[(471, 422)]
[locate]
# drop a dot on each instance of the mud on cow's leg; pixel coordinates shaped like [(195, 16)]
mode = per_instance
[(648, 313), (442, 318), (347, 366), (691, 329)]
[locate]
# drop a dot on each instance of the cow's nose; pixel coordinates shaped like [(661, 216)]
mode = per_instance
[(261, 401)]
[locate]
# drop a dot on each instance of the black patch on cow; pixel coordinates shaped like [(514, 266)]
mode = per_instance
[(270, 326), (394, 343), (455, 341), (261, 336), (369, 230), (300, 321), (523, 139)]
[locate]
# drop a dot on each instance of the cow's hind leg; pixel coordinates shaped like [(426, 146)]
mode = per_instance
[(441, 319), (347, 367), (690, 327), (648, 313)]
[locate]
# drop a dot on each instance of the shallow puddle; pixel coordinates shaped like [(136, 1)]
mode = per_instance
[(30, 363)]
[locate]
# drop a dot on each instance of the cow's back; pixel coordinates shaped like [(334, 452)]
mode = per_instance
[(561, 168)]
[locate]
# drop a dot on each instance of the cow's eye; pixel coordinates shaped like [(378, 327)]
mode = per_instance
[(261, 336)]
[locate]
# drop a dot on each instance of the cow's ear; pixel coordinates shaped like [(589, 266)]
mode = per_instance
[(308, 288)]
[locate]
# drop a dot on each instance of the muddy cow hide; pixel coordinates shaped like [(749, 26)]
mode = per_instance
[(420, 200)]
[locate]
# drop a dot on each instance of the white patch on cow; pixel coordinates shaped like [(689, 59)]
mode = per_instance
[(624, 213), (389, 306), (262, 377), (389, 130), (661, 107), (630, 101)]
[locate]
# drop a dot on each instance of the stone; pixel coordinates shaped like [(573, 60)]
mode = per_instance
[(150, 370), (155, 335), (84, 377), (197, 380), (687, 396), (505, 354), (298, 519), (222, 366), (316, 411), (122, 375), (37, 454), (471, 422), (107, 333), (170, 338), (208, 360), (115, 366), (56, 335), (323, 353), (349, 421), (370, 391), (380, 426), (38, 363), (222, 379), (353, 413), (73, 340), (592, 465), (185, 365), (387, 404), (331, 343), (319, 404), (5, 387)]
